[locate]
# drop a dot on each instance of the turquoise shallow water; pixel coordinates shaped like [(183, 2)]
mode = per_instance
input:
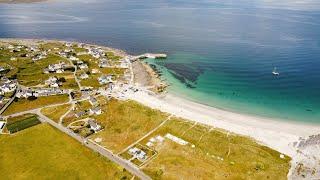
[(241, 89), (221, 53)]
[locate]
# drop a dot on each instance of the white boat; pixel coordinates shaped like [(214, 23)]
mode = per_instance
[(274, 72)]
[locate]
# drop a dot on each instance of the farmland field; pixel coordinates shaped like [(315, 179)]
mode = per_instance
[(22, 122), (25, 104), (42, 151), (55, 112), (126, 122)]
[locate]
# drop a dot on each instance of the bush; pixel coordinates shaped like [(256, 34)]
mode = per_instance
[(70, 69), (72, 95), (62, 79), (32, 98)]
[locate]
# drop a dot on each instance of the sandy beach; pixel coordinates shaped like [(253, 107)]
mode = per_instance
[(283, 136), (279, 135)]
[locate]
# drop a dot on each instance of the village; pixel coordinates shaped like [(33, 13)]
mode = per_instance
[(83, 121), (68, 61)]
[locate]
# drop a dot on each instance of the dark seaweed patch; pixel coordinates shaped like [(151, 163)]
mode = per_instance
[(182, 80), (188, 73), (190, 86)]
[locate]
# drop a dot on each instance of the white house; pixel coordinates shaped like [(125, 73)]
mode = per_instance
[(51, 80), (68, 44), (95, 110), (84, 76), (94, 125), (93, 101), (73, 58), (83, 66), (138, 153), (95, 71), (103, 63), (104, 79)]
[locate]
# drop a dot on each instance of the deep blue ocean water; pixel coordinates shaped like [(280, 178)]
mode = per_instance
[(220, 53)]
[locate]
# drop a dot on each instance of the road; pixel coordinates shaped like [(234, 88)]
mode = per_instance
[(75, 73), (10, 101), (95, 147)]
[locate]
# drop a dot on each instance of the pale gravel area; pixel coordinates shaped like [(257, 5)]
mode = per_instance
[(141, 75)]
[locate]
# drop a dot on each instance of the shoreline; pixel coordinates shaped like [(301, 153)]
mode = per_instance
[(147, 77), (265, 117), (279, 135)]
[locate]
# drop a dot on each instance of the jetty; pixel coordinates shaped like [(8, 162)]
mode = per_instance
[(149, 55)]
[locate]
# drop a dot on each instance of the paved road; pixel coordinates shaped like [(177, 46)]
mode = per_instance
[(108, 154), (10, 101), (75, 73)]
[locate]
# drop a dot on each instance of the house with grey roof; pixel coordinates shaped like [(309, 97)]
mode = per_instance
[(94, 125), (95, 110)]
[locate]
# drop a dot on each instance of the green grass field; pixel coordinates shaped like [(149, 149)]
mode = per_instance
[(21, 122), (242, 157), (125, 122), (42, 152), (55, 112), (112, 56), (24, 104), (70, 81)]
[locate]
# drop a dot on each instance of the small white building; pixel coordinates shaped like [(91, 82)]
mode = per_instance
[(149, 144), (73, 58), (84, 76), (93, 101), (104, 79), (95, 110), (51, 80), (95, 71), (103, 63), (94, 125), (68, 44), (138, 153), (83, 66)]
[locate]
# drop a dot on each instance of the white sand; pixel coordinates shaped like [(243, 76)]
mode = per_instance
[(278, 135)]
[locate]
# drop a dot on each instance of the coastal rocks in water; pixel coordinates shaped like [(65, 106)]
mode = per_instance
[(306, 162)]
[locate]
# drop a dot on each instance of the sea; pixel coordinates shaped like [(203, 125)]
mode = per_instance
[(220, 53)]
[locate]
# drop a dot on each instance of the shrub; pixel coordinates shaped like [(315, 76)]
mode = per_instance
[(32, 98)]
